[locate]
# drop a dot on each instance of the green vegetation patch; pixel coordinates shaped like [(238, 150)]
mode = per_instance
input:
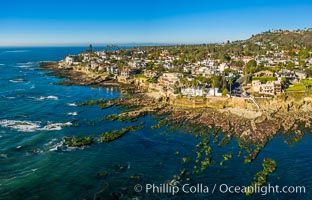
[(204, 156), (296, 88), (264, 79), (78, 141), (101, 103), (307, 82), (269, 166), (113, 135), (226, 157)]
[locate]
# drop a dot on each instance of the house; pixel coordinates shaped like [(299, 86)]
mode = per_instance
[(214, 92), (169, 78), (246, 59), (192, 91), (128, 73), (94, 65), (290, 75), (150, 73), (223, 66), (69, 60), (112, 69), (265, 73), (270, 88), (300, 75), (136, 63), (167, 65)]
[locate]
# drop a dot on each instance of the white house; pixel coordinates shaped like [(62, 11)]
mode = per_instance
[(223, 66), (192, 91), (214, 92), (270, 88), (69, 60)]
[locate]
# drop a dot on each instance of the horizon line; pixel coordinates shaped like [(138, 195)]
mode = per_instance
[(113, 44), (133, 43)]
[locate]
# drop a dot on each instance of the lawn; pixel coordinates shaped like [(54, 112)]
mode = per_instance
[(307, 82), (296, 88)]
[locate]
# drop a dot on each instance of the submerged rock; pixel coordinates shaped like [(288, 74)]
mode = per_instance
[(78, 141), (102, 174)]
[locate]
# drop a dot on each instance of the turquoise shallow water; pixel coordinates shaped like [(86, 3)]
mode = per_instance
[(33, 167)]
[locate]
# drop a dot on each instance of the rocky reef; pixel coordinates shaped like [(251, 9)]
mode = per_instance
[(78, 141), (269, 166), (113, 135)]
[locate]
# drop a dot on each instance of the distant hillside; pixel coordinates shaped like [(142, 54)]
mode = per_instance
[(284, 38)]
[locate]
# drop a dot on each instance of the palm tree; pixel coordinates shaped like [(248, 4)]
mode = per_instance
[(193, 83), (213, 84), (230, 83)]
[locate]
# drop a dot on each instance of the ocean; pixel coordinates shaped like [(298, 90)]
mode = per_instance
[(36, 113)]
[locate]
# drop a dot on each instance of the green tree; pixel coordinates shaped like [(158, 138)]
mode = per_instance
[(309, 72), (276, 68), (176, 88), (251, 67), (226, 58), (150, 66), (239, 63), (224, 82), (224, 92), (303, 54), (290, 66), (213, 85)]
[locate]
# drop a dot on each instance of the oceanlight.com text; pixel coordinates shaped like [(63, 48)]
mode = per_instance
[(221, 188)]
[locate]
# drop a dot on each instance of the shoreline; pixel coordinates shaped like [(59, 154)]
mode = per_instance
[(253, 129)]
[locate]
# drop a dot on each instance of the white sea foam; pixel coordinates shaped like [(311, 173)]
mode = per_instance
[(72, 113), (17, 80), (51, 127), (8, 97), (56, 146), (22, 126), (23, 66), (55, 126), (47, 97), (51, 142), (28, 126), (71, 104), (26, 63)]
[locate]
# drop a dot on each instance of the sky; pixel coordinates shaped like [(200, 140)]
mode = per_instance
[(77, 22)]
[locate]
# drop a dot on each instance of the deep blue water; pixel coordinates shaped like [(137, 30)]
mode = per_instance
[(35, 114)]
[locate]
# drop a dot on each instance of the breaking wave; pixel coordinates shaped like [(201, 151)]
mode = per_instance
[(47, 97), (17, 80), (8, 97), (71, 104), (22, 126), (55, 126), (72, 113), (28, 126)]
